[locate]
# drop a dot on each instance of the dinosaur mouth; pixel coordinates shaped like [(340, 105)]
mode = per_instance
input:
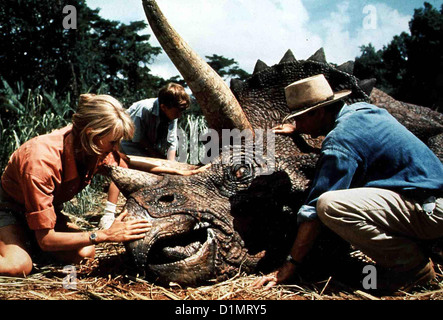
[(179, 248)]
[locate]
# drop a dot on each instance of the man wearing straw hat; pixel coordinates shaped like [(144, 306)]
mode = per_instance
[(376, 185)]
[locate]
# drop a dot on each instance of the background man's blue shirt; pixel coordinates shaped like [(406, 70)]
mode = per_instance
[(370, 148), (159, 132)]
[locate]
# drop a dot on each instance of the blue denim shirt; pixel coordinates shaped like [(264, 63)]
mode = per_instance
[(369, 148)]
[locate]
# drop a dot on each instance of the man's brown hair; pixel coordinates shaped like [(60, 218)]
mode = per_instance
[(174, 95)]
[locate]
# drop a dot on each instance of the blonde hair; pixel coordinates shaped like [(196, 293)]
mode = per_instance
[(96, 117)]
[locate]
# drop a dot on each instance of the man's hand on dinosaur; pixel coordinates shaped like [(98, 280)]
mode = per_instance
[(285, 129), (282, 274)]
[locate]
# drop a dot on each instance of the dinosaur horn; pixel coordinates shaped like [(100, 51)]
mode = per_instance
[(260, 66), (319, 56), (347, 67), (288, 57), (218, 103), (128, 180)]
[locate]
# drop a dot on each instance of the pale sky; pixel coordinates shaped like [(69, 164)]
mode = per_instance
[(247, 30)]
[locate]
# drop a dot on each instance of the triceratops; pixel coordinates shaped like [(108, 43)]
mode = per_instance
[(230, 217)]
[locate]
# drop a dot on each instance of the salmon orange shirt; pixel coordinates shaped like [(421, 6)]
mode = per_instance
[(43, 174)]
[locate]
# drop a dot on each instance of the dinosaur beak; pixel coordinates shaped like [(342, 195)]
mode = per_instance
[(147, 163), (129, 181)]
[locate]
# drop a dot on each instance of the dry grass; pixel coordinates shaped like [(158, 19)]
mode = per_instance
[(108, 277)]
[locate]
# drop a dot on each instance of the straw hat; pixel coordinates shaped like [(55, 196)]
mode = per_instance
[(311, 93)]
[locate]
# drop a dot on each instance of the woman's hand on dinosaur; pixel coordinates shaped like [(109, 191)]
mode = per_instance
[(122, 231)]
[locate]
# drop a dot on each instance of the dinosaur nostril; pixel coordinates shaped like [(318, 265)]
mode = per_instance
[(166, 198)]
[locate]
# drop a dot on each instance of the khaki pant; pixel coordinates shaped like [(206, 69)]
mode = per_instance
[(382, 224)]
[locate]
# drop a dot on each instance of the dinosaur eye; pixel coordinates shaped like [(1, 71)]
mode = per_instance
[(242, 172)]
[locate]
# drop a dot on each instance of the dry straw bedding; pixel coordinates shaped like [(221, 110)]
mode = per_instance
[(105, 278)]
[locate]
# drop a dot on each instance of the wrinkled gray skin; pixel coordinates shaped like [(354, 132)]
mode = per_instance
[(229, 219)]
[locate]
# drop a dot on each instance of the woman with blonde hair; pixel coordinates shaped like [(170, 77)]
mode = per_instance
[(51, 169)]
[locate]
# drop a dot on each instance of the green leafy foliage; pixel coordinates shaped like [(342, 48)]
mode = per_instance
[(26, 114), (193, 124), (410, 67), (226, 67), (99, 56)]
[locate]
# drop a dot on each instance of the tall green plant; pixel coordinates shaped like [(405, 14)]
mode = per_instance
[(193, 124), (25, 114)]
